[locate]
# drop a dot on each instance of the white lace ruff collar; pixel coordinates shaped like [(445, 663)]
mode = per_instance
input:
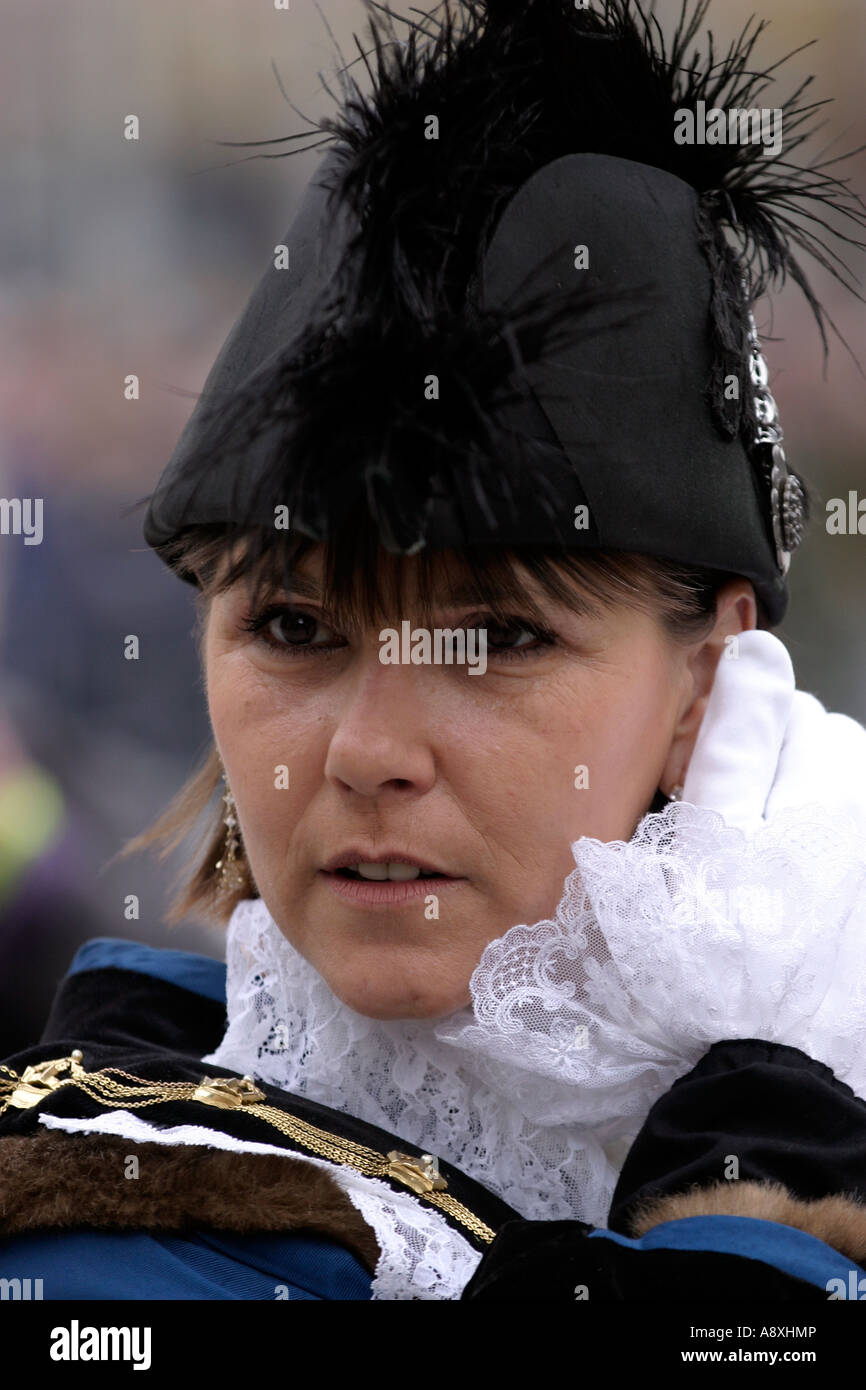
[(690, 933)]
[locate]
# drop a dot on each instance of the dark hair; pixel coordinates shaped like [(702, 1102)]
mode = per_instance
[(364, 584)]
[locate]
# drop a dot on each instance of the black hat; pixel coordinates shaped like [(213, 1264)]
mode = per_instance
[(515, 305)]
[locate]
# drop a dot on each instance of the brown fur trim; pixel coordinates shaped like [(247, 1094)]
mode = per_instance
[(77, 1180), (840, 1220)]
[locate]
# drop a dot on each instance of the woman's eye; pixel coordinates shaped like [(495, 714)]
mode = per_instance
[(501, 636), (515, 637), (292, 631), (289, 629)]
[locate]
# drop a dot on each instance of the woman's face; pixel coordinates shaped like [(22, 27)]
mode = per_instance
[(488, 778)]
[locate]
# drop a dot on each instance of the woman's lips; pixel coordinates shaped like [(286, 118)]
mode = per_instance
[(364, 892)]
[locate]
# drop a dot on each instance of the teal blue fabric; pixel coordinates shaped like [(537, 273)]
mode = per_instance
[(786, 1249), (200, 974), (122, 1265)]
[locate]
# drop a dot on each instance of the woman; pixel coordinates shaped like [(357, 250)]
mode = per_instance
[(534, 975)]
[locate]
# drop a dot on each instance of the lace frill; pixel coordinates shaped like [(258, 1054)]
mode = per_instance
[(689, 933)]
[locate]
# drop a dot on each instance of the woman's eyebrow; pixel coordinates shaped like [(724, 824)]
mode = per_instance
[(469, 593), (304, 585), (308, 587), (498, 598)]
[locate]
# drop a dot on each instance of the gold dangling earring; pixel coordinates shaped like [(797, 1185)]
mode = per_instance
[(231, 867)]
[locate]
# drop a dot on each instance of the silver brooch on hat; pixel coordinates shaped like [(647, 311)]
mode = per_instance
[(787, 496)]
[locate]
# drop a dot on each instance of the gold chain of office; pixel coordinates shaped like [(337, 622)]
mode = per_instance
[(421, 1175)]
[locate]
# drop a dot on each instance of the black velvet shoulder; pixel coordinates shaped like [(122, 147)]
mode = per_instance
[(158, 1031)]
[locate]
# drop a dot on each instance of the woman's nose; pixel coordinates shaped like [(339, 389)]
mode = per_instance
[(383, 735)]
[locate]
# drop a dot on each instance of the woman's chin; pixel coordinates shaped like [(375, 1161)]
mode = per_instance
[(386, 1000)]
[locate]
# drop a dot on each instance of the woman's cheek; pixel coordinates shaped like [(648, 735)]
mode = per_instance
[(624, 740), (267, 742), (250, 705)]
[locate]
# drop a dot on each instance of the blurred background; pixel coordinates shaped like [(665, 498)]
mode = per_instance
[(121, 257)]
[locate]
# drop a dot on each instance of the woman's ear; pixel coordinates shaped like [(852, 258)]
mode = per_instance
[(736, 611)]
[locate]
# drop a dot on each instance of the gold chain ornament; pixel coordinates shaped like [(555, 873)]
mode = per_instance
[(421, 1175)]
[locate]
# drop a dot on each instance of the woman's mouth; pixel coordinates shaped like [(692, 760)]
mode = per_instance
[(393, 871), (386, 884)]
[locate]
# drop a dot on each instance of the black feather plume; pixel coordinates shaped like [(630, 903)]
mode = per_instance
[(519, 85)]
